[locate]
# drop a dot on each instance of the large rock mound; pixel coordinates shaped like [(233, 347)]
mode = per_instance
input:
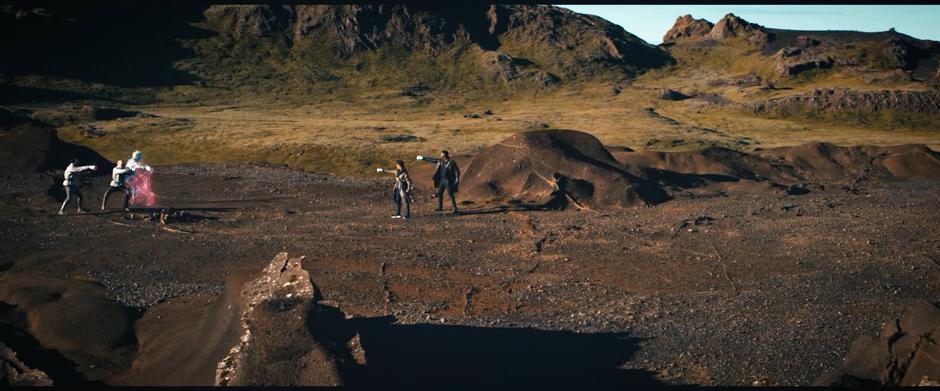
[(548, 166), (29, 145)]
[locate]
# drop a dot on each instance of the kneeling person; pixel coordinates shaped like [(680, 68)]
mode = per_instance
[(118, 176)]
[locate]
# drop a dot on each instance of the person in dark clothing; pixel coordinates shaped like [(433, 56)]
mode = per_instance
[(402, 190), (446, 178), (118, 176), (72, 184)]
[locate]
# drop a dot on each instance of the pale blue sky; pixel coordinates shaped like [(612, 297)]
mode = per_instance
[(650, 22)]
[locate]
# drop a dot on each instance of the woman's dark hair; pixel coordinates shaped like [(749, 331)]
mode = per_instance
[(400, 163), (445, 153)]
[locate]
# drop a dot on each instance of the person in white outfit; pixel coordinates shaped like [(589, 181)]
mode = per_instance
[(134, 162), (118, 176), (72, 184)]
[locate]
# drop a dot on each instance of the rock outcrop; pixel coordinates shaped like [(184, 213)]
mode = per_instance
[(787, 69), (843, 99), (282, 328), (731, 26), (688, 27), (14, 373), (906, 353)]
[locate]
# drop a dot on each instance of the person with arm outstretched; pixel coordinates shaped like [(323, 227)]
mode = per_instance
[(402, 190), (72, 184), (446, 178), (118, 176)]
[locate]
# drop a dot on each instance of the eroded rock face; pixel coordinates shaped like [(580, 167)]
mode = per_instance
[(350, 29), (16, 374), (795, 67), (731, 26), (907, 353), (688, 27), (834, 100), (282, 324)]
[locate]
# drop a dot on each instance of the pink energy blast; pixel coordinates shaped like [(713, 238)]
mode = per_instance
[(141, 188)]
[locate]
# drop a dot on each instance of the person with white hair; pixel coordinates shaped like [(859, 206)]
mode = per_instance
[(72, 184), (134, 162), (118, 177)]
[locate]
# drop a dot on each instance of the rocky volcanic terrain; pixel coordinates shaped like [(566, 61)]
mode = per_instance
[(745, 269), (730, 245)]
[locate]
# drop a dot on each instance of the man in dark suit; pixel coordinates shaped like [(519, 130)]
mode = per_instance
[(446, 178)]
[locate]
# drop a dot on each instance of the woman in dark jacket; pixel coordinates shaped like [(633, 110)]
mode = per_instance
[(402, 190)]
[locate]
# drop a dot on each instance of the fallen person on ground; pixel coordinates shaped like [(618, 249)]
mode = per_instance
[(446, 178), (72, 184), (118, 176), (402, 190)]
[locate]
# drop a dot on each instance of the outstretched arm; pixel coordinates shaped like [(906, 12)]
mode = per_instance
[(83, 168), (387, 171), (428, 159)]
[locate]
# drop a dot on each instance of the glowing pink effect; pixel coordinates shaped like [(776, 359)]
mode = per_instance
[(141, 190)]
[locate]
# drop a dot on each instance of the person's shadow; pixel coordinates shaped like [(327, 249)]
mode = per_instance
[(448, 357)]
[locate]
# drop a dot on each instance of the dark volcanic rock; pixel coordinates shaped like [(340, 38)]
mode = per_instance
[(907, 353), (790, 69), (688, 27), (668, 94)]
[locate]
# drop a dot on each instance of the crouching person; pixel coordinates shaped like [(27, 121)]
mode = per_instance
[(118, 176), (402, 190), (72, 185)]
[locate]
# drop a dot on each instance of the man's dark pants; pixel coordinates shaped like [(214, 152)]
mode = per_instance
[(441, 188), (115, 189)]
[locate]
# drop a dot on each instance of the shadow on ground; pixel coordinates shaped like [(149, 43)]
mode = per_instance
[(442, 356)]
